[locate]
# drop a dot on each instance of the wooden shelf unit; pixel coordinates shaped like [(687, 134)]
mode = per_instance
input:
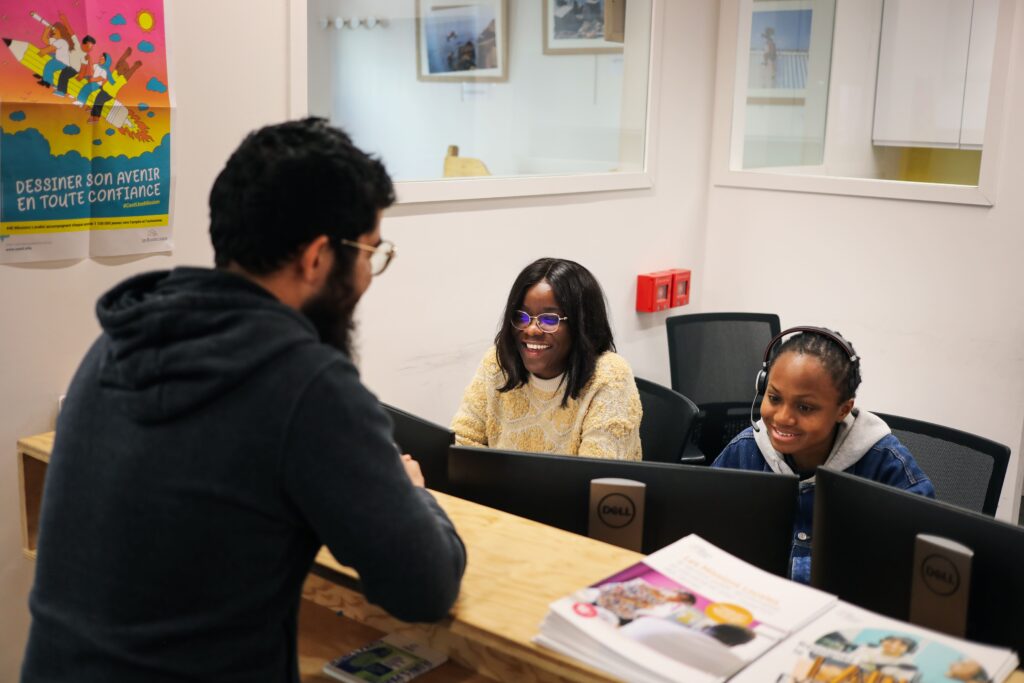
[(33, 457)]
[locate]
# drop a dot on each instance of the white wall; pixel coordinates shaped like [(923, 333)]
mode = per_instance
[(930, 294), (428, 319)]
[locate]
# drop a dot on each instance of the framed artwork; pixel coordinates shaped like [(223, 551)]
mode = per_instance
[(462, 41), (576, 27), (780, 50), (783, 70)]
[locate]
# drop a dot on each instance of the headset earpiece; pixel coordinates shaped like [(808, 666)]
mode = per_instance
[(761, 381)]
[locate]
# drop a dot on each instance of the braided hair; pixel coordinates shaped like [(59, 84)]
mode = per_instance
[(844, 372)]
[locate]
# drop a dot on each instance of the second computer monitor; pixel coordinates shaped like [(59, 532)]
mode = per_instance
[(748, 514), (426, 442), (863, 550)]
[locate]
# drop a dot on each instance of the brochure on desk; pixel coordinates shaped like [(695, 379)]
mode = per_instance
[(395, 658), (692, 612), (689, 612), (852, 644)]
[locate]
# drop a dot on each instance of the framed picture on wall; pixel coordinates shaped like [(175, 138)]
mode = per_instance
[(462, 41), (577, 27), (783, 69), (780, 48)]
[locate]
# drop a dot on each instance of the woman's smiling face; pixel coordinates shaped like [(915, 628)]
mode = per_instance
[(544, 353)]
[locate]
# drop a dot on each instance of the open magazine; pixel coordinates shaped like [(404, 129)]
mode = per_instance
[(852, 644), (692, 612), (689, 612)]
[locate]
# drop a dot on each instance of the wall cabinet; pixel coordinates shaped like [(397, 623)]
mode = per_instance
[(934, 68)]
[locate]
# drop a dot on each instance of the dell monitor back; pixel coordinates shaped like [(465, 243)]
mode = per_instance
[(748, 514), (863, 551), (426, 442)]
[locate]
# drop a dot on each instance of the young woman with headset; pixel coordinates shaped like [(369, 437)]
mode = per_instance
[(808, 384)]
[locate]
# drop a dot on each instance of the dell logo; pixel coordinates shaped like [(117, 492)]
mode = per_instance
[(616, 510), (940, 575)]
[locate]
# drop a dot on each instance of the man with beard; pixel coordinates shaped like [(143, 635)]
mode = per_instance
[(216, 434)]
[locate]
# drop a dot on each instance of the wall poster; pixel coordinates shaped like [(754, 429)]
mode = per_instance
[(85, 129)]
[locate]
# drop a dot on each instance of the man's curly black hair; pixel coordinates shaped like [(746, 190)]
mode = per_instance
[(287, 184)]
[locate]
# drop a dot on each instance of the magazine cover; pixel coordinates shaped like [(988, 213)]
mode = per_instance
[(392, 659), (851, 645), (688, 612)]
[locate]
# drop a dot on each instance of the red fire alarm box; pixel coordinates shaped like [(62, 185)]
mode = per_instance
[(654, 291), (680, 287)]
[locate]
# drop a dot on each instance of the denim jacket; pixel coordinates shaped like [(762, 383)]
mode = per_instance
[(864, 446)]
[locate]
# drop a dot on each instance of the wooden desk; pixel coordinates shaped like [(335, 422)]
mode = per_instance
[(515, 568)]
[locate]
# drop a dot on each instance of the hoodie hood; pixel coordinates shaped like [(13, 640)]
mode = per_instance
[(175, 340), (858, 432)]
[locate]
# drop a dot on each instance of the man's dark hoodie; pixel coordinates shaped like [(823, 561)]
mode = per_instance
[(209, 444)]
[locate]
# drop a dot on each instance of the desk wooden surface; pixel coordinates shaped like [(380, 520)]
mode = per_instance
[(515, 569)]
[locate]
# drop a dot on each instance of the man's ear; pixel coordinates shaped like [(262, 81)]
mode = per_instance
[(315, 261)]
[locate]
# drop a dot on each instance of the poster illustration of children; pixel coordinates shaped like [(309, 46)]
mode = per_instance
[(84, 138)]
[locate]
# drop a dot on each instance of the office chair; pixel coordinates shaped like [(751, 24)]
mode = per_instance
[(966, 470), (667, 424), (714, 359)]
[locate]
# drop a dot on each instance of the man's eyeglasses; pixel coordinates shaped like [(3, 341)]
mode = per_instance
[(547, 322), (380, 255)]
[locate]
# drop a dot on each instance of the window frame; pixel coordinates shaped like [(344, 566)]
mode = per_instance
[(461, 189), (984, 194)]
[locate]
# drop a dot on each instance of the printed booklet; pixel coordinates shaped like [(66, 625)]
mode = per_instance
[(392, 659), (689, 612), (852, 644), (692, 612)]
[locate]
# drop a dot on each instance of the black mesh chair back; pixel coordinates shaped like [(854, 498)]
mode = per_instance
[(966, 470), (667, 424), (714, 359)]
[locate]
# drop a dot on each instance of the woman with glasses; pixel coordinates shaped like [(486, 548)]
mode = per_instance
[(553, 383)]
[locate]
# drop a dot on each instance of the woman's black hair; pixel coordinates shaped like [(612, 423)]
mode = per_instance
[(580, 297), (844, 372)]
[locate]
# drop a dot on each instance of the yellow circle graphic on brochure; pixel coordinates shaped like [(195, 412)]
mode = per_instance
[(145, 20), (724, 613)]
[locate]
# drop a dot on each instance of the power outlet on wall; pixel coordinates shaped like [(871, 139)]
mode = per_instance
[(60, 403)]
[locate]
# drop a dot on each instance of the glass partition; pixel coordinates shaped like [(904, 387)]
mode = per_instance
[(501, 88), (894, 90)]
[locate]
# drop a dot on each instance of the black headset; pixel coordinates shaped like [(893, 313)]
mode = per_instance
[(761, 381)]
